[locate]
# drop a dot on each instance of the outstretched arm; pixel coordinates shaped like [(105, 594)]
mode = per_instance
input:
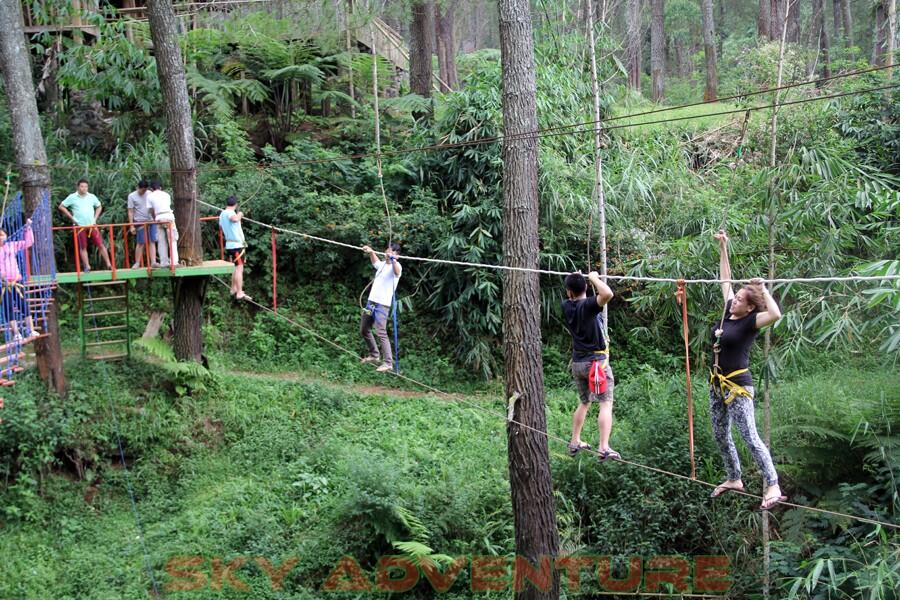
[(772, 312), (26, 243), (724, 266), (372, 255), (603, 292)]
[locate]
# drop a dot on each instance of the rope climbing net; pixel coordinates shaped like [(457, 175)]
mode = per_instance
[(28, 274)]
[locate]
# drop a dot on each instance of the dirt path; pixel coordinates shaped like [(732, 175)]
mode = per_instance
[(361, 389)]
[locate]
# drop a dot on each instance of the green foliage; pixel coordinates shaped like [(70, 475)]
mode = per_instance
[(187, 377)]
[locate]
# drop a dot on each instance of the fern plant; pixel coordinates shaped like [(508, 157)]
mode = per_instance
[(186, 378)]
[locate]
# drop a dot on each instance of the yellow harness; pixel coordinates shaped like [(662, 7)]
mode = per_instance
[(727, 389)]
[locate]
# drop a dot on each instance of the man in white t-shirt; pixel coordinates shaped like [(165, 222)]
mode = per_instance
[(161, 209), (139, 213), (387, 274)]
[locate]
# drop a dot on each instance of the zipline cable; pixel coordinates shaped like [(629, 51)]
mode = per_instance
[(539, 133), (475, 265), (550, 436)]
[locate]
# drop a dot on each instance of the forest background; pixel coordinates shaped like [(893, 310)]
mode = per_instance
[(285, 447)]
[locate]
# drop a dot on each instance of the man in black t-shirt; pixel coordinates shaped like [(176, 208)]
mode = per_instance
[(590, 358)]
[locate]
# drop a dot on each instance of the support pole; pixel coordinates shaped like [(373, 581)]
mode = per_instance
[(274, 272), (681, 297), (767, 346), (598, 159)]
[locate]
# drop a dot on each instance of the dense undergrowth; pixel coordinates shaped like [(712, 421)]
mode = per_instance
[(255, 466)]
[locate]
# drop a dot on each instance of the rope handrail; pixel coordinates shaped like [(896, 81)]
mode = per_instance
[(553, 437), (823, 279)]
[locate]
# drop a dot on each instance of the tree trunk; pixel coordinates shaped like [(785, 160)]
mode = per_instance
[(720, 5), (188, 341), (887, 32), (778, 16), (879, 38), (793, 21), (420, 49), (847, 21), (764, 20), (633, 45), (31, 156), (836, 15), (709, 50), (531, 484), (658, 49), (825, 48), (818, 39), (446, 45)]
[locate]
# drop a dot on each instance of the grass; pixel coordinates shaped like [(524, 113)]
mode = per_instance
[(263, 467)]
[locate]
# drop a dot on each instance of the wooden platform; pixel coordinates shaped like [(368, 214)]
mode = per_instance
[(209, 267)]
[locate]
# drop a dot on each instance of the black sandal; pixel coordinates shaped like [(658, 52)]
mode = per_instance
[(610, 454), (576, 448)]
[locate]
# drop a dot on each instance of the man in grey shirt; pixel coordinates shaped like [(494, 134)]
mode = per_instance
[(138, 213)]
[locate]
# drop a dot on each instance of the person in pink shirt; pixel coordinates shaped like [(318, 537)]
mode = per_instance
[(13, 307)]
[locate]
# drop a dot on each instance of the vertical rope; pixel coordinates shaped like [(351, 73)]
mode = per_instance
[(768, 335), (387, 210), (681, 297), (598, 161), (396, 324)]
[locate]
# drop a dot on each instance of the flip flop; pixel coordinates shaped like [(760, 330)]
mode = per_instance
[(773, 501), (605, 455), (576, 448), (724, 490)]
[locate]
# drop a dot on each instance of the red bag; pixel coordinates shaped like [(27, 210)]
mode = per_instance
[(597, 377)]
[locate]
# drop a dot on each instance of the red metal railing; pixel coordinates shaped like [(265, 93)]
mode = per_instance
[(221, 235), (111, 230)]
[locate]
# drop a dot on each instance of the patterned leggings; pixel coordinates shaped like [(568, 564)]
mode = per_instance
[(740, 411)]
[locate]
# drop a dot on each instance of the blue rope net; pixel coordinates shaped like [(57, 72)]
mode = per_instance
[(27, 279)]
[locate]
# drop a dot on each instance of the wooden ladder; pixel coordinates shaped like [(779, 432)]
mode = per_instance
[(104, 320)]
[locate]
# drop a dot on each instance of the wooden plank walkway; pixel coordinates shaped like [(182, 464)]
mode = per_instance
[(209, 267)]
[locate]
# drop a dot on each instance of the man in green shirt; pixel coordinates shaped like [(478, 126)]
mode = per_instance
[(83, 209)]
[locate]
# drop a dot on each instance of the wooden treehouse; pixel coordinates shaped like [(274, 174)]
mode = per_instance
[(41, 17)]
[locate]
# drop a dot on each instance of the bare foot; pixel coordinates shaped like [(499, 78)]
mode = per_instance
[(727, 486)]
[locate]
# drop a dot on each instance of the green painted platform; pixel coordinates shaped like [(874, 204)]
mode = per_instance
[(209, 267)]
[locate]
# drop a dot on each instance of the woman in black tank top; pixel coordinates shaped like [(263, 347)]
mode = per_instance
[(731, 383)]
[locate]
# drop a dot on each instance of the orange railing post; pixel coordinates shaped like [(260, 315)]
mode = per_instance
[(147, 255), (112, 251), (77, 254), (221, 244), (125, 245)]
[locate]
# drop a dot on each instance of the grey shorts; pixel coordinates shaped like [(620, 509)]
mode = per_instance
[(580, 371)]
